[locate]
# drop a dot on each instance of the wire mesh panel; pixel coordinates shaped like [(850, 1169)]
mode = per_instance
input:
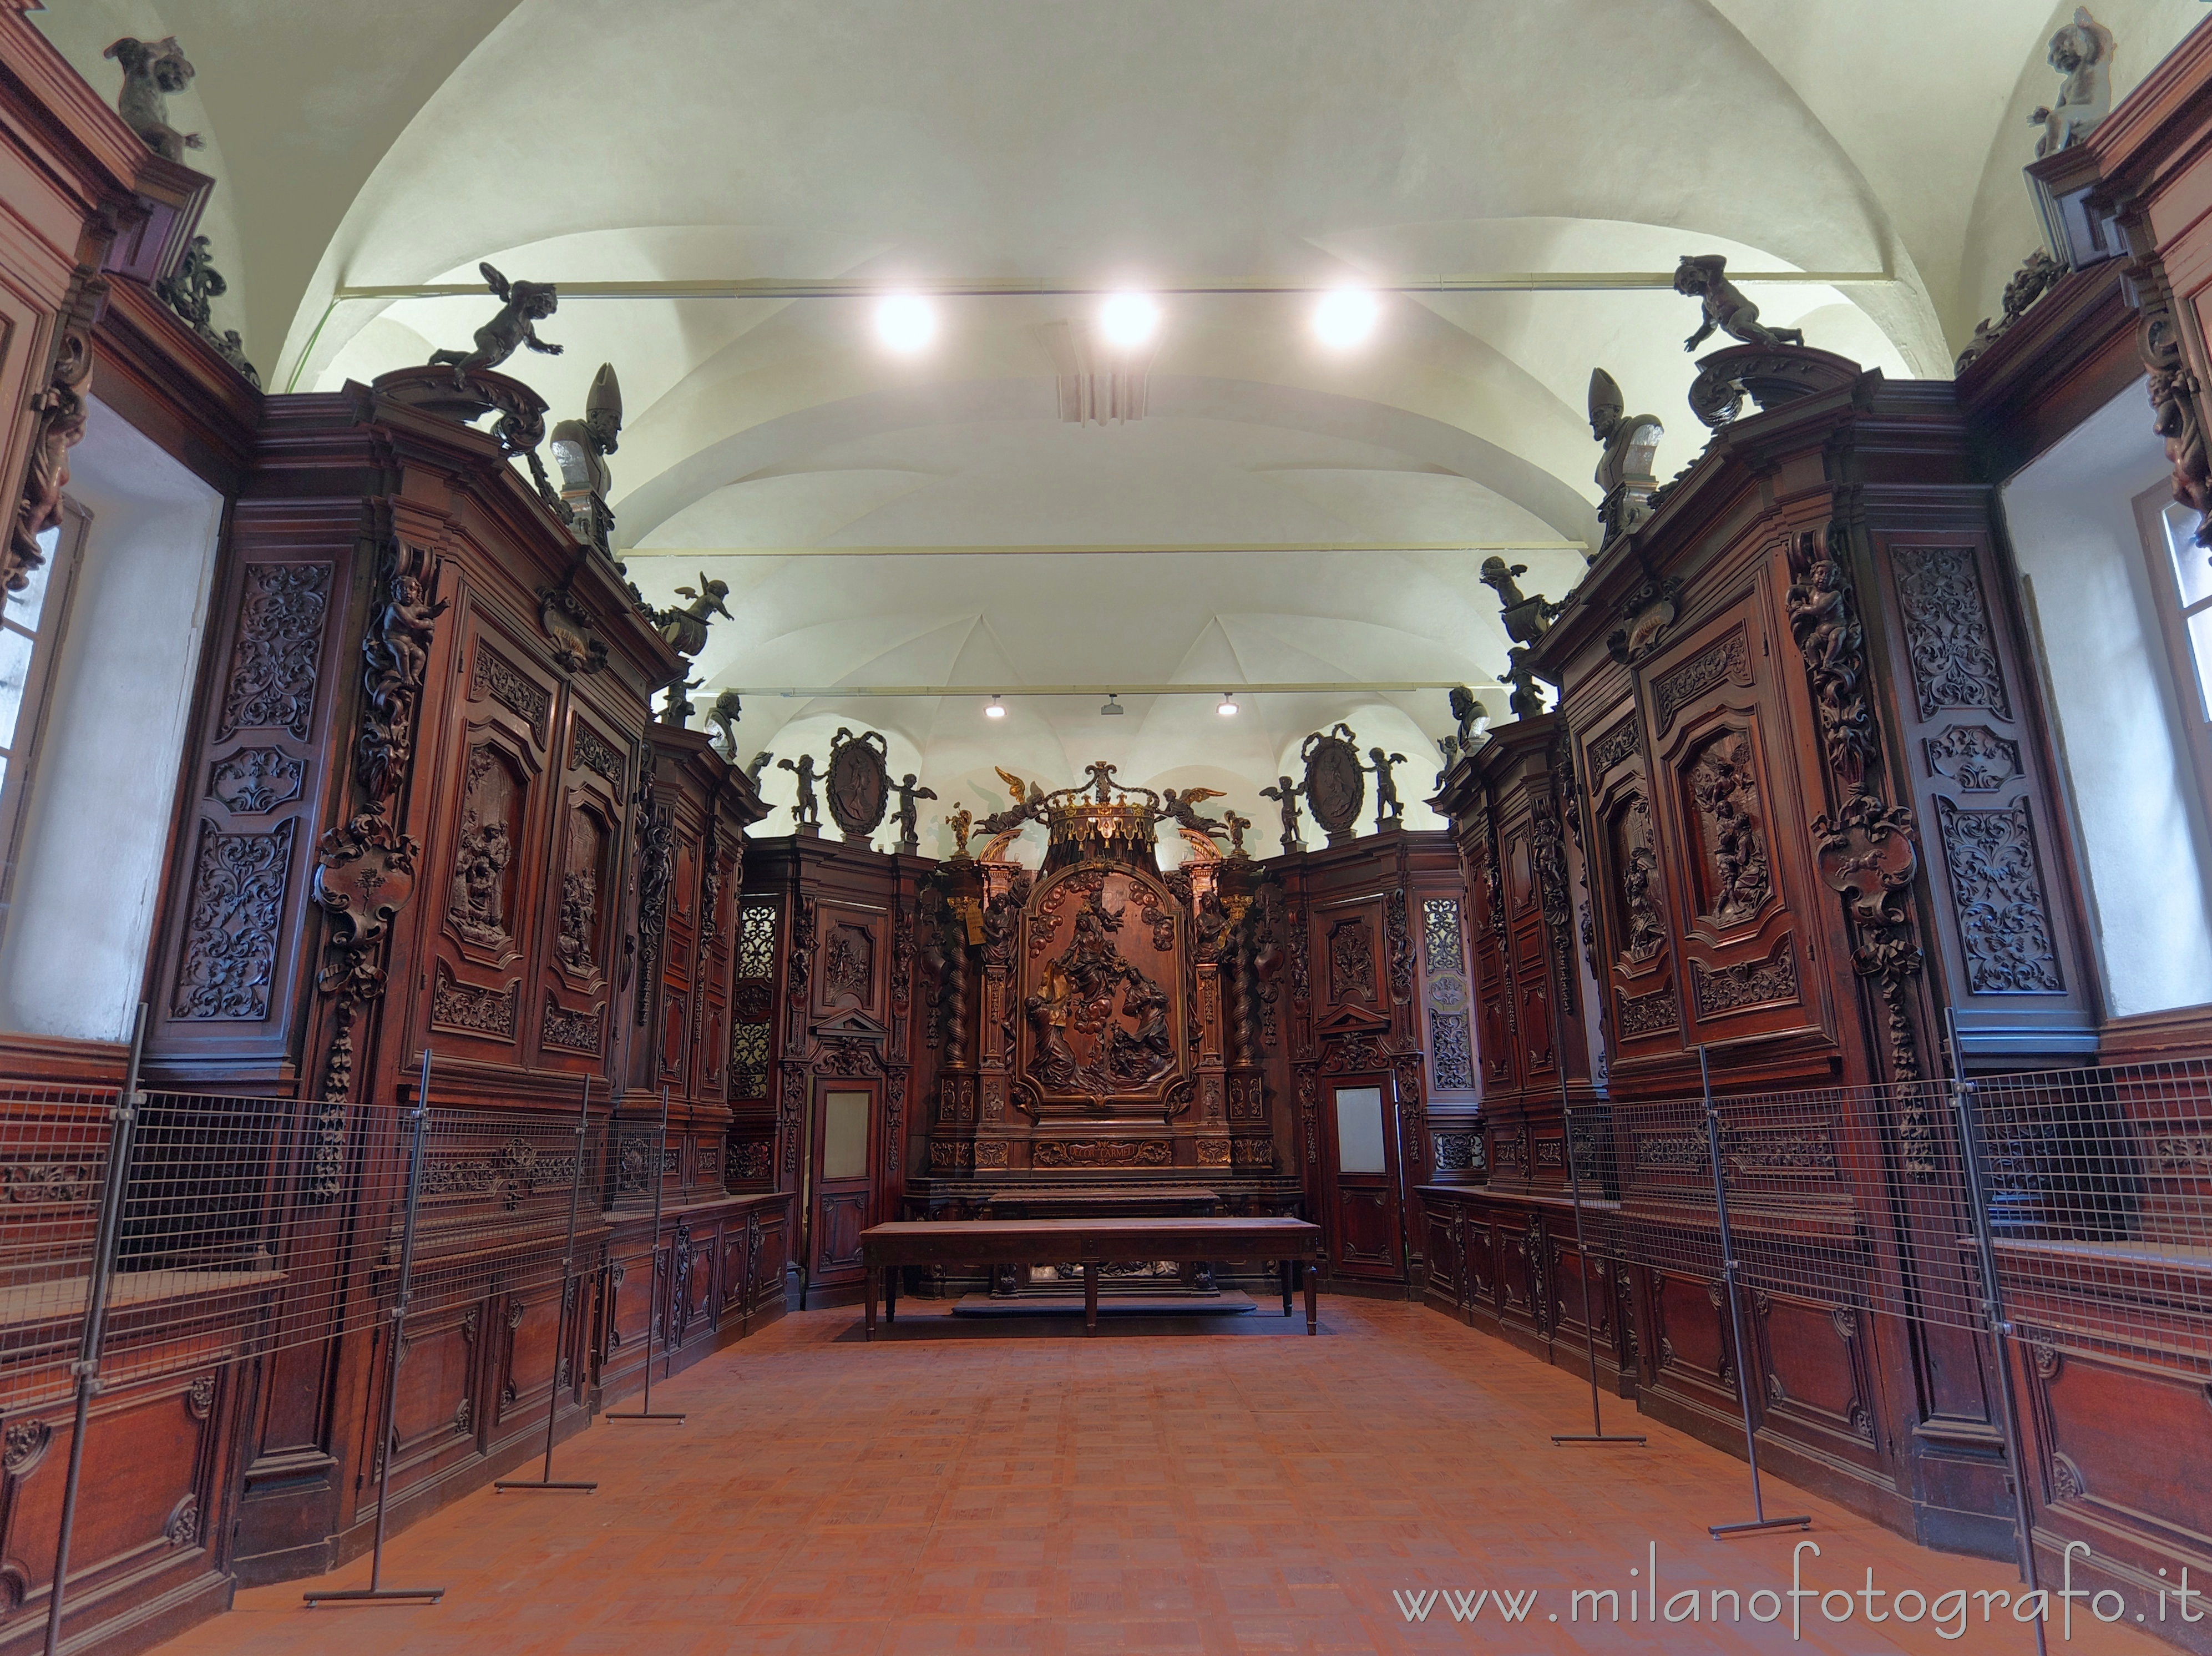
[(54, 1150), (2098, 1182), (493, 1213), (2100, 1200)]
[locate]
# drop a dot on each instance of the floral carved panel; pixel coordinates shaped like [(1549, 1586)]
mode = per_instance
[(273, 664), (232, 922)]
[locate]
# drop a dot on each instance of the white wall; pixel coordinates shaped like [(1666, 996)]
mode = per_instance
[(73, 954), (2073, 531)]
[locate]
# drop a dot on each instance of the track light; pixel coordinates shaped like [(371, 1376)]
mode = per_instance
[(1127, 320), (1113, 709), (905, 323), (996, 710), (1228, 708), (1344, 318)]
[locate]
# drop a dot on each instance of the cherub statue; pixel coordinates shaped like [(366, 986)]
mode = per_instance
[(523, 305), (2081, 51), (1527, 700), (685, 630), (1183, 808), (680, 710), (909, 822), (152, 69), (760, 761), (962, 822), (805, 810), (1702, 276), (723, 715), (1388, 808), (1236, 825), (1623, 472), (1528, 617), (1285, 793)]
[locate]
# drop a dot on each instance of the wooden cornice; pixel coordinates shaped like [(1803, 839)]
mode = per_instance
[(2069, 354), (175, 387)]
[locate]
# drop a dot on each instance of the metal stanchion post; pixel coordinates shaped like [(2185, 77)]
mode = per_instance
[(1760, 1520), (1597, 1434), (87, 1366), (376, 1589), (653, 1287), (1978, 1201), (560, 1322)]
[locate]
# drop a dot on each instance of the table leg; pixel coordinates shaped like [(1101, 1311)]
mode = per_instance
[(1090, 1297), (1312, 1299), (870, 1274), (1287, 1269), (890, 1293)]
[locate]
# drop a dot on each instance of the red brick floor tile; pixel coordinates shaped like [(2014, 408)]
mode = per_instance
[(1019, 1489)]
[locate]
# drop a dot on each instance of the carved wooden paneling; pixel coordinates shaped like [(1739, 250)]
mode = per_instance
[(1727, 833), (2003, 913)]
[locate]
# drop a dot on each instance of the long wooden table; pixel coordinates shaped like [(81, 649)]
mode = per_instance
[(885, 1249)]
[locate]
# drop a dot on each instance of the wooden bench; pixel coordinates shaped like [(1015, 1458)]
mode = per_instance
[(885, 1249)]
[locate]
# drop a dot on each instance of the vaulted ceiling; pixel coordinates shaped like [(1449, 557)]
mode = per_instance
[(1342, 499)]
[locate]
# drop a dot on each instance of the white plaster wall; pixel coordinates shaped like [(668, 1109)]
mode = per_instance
[(2073, 528), (73, 955)]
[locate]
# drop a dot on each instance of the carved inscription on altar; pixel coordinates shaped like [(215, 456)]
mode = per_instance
[(1100, 959)]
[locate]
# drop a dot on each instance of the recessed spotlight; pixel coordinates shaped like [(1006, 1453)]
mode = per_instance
[(905, 322), (1228, 708), (1128, 319), (996, 710), (1113, 709), (1344, 318)]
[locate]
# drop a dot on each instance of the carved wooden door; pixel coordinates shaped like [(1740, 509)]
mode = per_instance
[(840, 1152), (1360, 1153)]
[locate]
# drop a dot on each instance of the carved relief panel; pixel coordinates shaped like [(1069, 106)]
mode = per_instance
[(2001, 912), (583, 895), (1100, 994), (489, 866), (1728, 831), (852, 952), (1632, 942)]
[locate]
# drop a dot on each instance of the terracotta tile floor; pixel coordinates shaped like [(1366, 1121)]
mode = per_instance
[(1219, 1486)]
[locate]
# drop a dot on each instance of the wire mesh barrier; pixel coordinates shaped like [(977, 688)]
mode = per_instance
[(143, 1234), (55, 1146), (2096, 1199)]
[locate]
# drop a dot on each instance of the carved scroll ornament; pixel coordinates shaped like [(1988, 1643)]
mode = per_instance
[(57, 413), (2175, 398), (1867, 848), (366, 870)]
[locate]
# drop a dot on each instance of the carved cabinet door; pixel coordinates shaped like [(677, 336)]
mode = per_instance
[(1361, 1176), (1730, 820), (485, 872), (1632, 942), (582, 920)]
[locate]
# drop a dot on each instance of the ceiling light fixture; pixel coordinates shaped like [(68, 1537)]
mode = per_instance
[(1344, 318), (1113, 709), (905, 323), (1127, 320), (1228, 708), (996, 710)]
